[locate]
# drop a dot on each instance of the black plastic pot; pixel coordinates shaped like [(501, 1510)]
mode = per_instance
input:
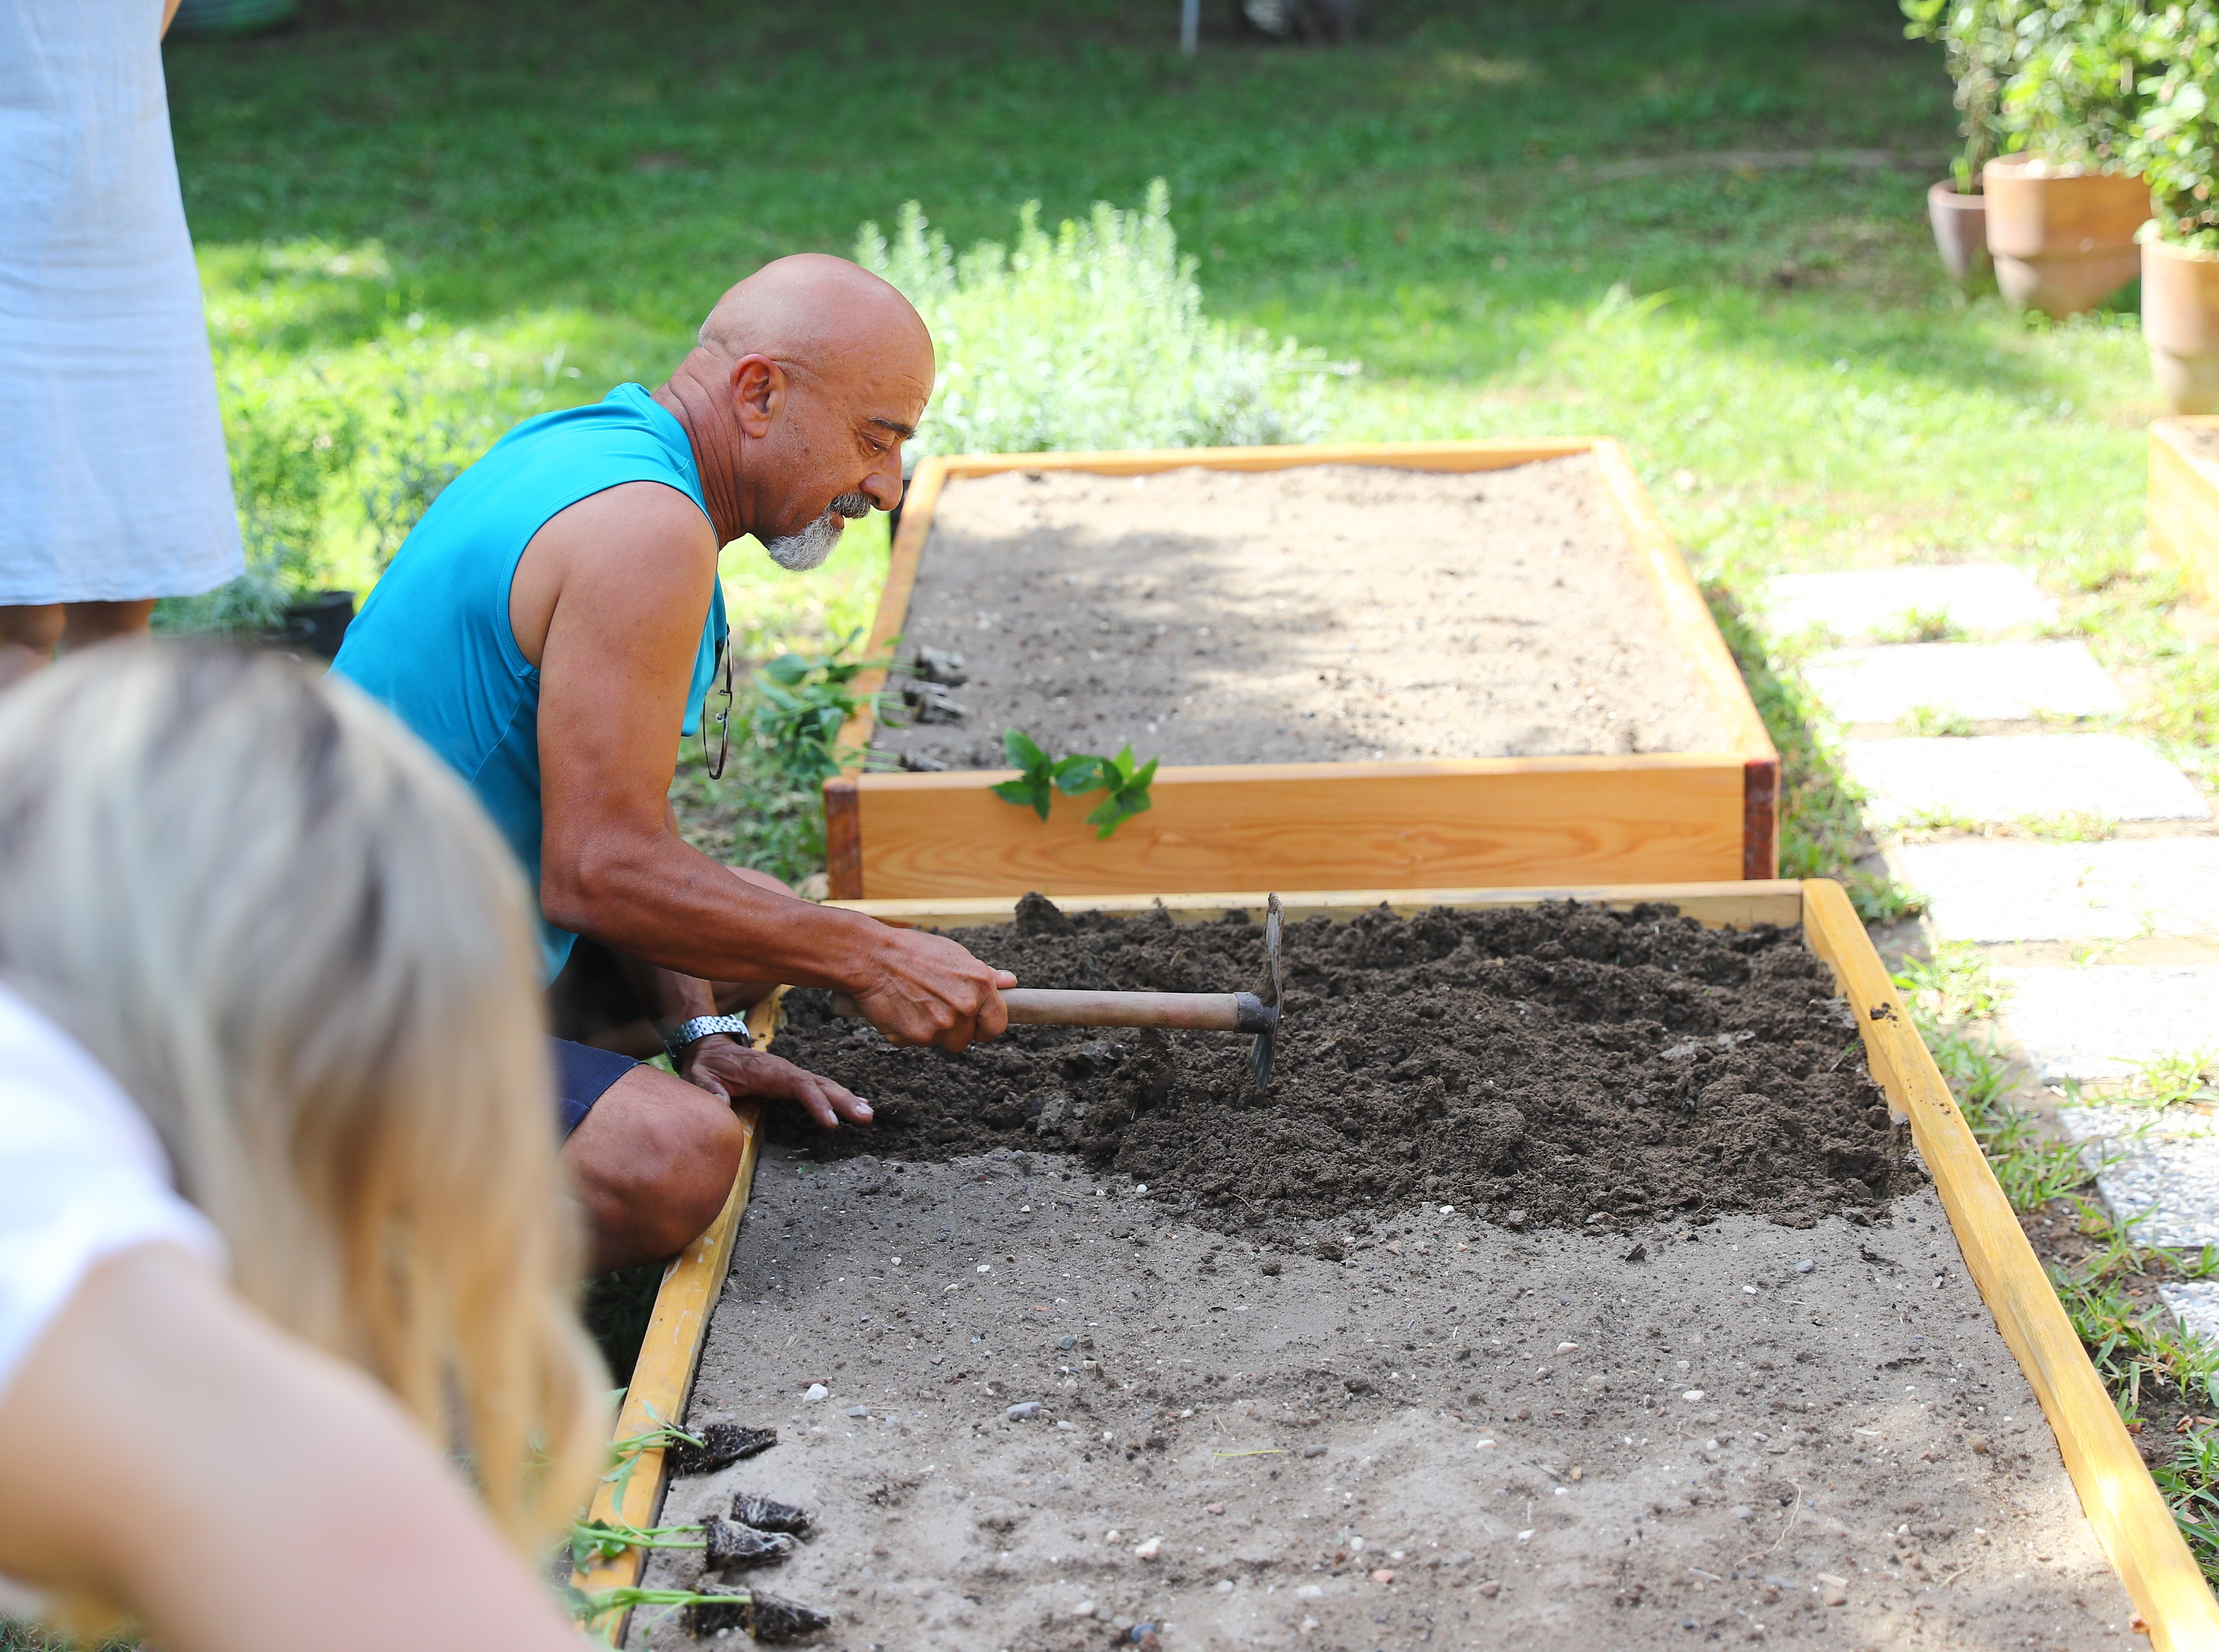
[(326, 615)]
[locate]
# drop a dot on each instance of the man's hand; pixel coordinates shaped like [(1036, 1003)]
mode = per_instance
[(727, 1068), (925, 989)]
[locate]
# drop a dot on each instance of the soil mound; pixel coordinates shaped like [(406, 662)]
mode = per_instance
[(1553, 1065)]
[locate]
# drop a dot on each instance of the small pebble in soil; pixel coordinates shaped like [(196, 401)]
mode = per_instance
[(1741, 1511), (1213, 1508), (1268, 1265), (1023, 1413), (1319, 1451), (1490, 1588), (1806, 1265), (1638, 1253), (1148, 1550), (1383, 1575), (1066, 1342), (817, 1391), (858, 1411)]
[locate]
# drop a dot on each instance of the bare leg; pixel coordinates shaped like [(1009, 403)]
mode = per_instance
[(27, 638), (653, 1164), (86, 624)]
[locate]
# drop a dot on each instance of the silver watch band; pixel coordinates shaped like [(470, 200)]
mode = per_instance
[(701, 1027)]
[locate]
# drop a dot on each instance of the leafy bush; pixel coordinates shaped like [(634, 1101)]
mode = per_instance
[(2077, 94), (2177, 136), (1982, 48), (1091, 338)]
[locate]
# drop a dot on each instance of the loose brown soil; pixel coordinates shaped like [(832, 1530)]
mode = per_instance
[(1059, 1405), (1553, 1065), (1325, 613)]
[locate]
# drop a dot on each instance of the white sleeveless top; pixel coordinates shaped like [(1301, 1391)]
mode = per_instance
[(82, 1176), (112, 481)]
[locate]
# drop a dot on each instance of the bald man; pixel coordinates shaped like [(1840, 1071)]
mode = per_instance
[(551, 628)]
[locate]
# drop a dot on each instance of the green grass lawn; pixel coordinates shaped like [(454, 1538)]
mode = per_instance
[(1697, 227)]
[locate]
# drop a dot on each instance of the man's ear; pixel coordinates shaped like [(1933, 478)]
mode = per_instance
[(759, 389)]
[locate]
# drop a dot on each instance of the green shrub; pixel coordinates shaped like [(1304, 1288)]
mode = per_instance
[(1982, 47), (2077, 94), (2177, 135), (1091, 338)]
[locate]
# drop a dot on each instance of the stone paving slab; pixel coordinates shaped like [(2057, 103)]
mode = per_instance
[(2165, 1168), (2009, 777), (2095, 1023), (1985, 682), (1992, 892), (2195, 1303), (1978, 597)]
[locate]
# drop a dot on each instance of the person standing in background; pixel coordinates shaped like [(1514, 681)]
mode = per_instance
[(113, 486)]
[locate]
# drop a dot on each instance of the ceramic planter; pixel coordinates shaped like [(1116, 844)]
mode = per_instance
[(2180, 324), (2062, 237), (1960, 232)]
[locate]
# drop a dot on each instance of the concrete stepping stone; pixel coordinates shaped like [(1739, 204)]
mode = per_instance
[(1867, 603), (2096, 1023), (2165, 1168), (2009, 777), (1985, 682), (1992, 892)]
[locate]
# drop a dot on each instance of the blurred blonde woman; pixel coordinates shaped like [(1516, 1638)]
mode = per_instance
[(282, 1235)]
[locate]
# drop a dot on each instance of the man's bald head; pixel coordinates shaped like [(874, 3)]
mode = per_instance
[(824, 315), (809, 377)]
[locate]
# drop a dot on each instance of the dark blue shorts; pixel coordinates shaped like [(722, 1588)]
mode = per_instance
[(582, 1076)]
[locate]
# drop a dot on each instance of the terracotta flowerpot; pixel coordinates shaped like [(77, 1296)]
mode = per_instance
[(2062, 238), (1960, 231), (2180, 324)]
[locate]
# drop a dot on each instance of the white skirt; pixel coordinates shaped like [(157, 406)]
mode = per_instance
[(113, 486)]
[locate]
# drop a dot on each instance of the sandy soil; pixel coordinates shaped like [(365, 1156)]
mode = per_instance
[(1329, 613), (1454, 1435)]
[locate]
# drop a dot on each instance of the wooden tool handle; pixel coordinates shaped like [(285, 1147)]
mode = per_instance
[(1215, 1012)]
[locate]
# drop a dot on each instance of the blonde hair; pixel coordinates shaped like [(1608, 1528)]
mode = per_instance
[(295, 940)]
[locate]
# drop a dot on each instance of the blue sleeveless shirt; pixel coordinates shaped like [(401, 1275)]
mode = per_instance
[(433, 641)]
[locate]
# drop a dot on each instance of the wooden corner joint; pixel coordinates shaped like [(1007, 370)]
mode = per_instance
[(843, 838), (1760, 818)]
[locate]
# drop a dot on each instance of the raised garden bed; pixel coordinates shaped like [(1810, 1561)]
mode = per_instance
[(1694, 1340), (1416, 664), (2184, 498)]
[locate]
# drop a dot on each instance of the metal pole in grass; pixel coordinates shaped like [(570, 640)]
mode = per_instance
[(1189, 26)]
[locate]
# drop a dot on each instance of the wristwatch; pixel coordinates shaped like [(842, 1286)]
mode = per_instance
[(701, 1027)]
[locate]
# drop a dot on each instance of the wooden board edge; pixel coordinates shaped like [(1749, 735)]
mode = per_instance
[(2121, 1502), (1447, 768), (662, 1378), (1685, 613), (1717, 904), (904, 557), (1760, 818), (843, 838), (2182, 510), (1496, 453)]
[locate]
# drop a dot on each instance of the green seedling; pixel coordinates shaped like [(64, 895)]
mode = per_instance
[(1128, 786), (604, 1540), (2069, 826), (1041, 776)]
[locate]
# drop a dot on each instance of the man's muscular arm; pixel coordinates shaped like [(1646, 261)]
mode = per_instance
[(608, 601)]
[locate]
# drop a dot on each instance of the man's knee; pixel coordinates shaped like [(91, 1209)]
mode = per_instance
[(654, 1163)]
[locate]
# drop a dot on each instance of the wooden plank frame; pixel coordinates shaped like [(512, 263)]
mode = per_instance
[(662, 1379), (2184, 501), (2123, 1504), (1510, 822)]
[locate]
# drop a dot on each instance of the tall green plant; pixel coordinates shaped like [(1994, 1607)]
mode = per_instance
[(2077, 96), (1090, 337), (1981, 46), (2176, 142)]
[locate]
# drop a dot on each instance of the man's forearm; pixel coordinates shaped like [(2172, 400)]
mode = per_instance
[(662, 901)]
